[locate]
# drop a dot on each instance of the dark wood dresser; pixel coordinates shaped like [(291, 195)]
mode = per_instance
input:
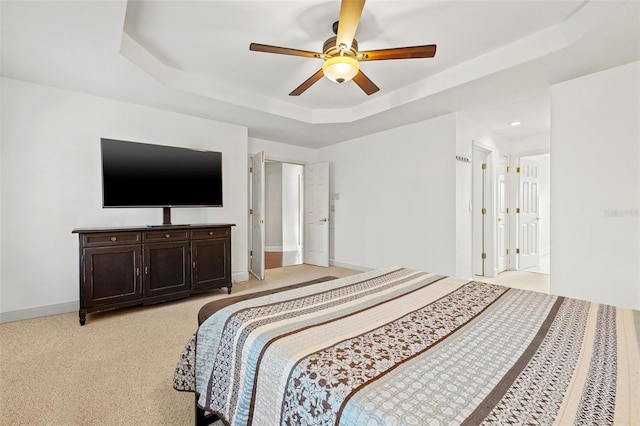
[(122, 267)]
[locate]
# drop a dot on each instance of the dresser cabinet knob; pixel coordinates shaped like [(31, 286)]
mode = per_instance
[(167, 235), (113, 238), (210, 232)]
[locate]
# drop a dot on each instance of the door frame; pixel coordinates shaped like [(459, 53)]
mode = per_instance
[(507, 215), (514, 204), (490, 238)]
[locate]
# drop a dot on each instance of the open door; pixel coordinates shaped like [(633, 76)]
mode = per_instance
[(479, 164), (528, 216), (257, 215), (316, 213), (502, 227)]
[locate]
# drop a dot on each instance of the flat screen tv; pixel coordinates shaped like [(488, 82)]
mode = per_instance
[(144, 175)]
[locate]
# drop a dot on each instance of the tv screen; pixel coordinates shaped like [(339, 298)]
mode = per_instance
[(144, 175)]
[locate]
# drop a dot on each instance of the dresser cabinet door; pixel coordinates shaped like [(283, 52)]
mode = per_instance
[(110, 275), (166, 268), (211, 263)]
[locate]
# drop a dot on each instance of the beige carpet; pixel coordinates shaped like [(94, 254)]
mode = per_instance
[(520, 279), (118, 368)]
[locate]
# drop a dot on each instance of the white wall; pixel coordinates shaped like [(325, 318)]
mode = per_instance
[(531, 145), (464, 185), (51, 184), (277, 151), (397, 198), (595, 194)]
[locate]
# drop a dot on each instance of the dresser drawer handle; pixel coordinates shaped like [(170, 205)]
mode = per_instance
[(167, 235), (210, 232), (113, 238)]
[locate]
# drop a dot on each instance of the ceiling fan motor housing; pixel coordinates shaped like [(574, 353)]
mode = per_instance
[(329, 48)]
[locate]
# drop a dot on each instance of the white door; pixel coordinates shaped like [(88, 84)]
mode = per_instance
[(316, 214), (528, 217), (502, 227), (257, 215), (479, 210)]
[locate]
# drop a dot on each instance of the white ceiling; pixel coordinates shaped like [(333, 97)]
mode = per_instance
[(495, 60)]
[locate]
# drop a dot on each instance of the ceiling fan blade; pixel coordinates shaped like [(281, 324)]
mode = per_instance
[(350, 12), (257, 47), (427, 51), (308, 83), (365, 83)]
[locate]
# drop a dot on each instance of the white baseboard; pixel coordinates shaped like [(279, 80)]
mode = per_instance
[(74, 306), (40, 311), (239, 276), (360, 268)]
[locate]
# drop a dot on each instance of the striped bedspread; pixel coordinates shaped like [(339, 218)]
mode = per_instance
[(402, 347)]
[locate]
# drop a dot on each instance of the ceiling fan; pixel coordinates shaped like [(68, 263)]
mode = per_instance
[(340, 53)]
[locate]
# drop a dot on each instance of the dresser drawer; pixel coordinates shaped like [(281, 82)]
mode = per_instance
[(209, 233), (110, 239), (165, 235)]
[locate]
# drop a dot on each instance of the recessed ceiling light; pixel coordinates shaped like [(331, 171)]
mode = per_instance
[(515, 123)]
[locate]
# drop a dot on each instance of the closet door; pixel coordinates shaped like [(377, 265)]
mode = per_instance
[(529, 215)]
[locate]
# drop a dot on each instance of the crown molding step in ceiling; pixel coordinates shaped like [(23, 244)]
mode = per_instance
[(203, 58)]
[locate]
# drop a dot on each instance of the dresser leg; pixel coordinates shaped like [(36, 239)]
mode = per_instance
[(83, 316)]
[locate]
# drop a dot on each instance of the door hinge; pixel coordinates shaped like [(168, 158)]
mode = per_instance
[(517, 169), (250, 211), (507, 252), (508, 168), (484, 255), (484, 166), (517, 251), (251, 253), (250, 169), (484, 211), (507, 210), (518, 210)]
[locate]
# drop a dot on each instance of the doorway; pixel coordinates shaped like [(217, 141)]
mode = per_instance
[(311, 217), (284, 206), (534, 227)]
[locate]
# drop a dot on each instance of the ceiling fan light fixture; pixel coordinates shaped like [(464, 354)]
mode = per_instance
[(340, 68)]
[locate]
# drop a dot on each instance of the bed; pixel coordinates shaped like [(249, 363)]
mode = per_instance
[(402, 347)]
